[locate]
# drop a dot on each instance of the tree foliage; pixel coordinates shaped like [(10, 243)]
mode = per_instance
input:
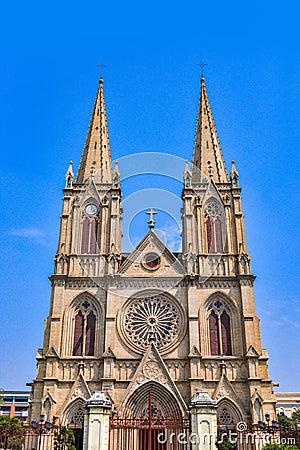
[(224, 442), (288, 423), (64, 439), (11, 425), (289, 428), (12, 433)]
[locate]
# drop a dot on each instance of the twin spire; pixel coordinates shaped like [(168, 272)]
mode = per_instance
[(208, 162), (96, 152)]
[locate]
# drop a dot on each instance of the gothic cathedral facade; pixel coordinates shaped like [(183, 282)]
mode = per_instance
[(152, 320)]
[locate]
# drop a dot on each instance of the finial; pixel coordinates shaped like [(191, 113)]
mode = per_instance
[(116, 174), (234, 175), (202, 65), (116, 170), (102, 66), (69, 176), (151, 221)]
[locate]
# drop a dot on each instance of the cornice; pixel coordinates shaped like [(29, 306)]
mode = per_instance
[(118, 282), (219, 282)]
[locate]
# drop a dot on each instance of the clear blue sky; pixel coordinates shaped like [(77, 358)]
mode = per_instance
[(48, 79)]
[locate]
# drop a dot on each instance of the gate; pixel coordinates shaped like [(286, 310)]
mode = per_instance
[(152, 430)]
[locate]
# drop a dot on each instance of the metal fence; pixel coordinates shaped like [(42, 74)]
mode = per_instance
[(26, 438)]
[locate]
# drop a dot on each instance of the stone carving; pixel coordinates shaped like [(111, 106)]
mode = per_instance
[(78, 392), (213, 209), (223, 392), (151, 369)]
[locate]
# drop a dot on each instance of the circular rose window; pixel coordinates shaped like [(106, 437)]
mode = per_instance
[(155, 318), (151, 261)]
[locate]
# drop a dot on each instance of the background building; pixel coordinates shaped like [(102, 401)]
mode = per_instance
[(15, 404), (287, 402)]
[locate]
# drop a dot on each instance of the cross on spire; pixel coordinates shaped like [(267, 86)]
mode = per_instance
[(202, 64), (102, 66), (151, 221)]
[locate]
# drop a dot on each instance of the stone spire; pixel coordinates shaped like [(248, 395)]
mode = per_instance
[(207, 157), (96, 151)]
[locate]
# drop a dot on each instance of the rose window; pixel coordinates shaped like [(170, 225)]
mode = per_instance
[(154, 318)]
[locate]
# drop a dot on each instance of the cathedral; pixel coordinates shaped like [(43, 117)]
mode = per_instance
[(152, 324)]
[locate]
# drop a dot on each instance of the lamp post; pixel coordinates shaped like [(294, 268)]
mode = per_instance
[(41, 428)]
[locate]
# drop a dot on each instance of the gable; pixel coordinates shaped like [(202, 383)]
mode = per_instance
[(152, 369), (52, 353), (252, 352), (225, 389), (79, 390), (151, 258), (88, 193)]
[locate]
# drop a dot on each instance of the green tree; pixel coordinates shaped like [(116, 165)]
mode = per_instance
[(11, 425), (12, 432), (224, 442), (295, 419), (285, 422), (64, 439)]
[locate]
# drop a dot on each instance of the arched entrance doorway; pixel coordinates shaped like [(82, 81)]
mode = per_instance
[(150, 420), (73, 419)]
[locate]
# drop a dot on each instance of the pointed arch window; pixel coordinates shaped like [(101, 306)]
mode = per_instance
[(90, 334), (78, 334), (214, 334), (213, 224), (89, 236), (84, 330), (219, 330), (225, 334)]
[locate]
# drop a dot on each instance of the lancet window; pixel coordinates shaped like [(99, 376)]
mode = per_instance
[(213, 223), (219, 329), (84, 330), (89, 236)]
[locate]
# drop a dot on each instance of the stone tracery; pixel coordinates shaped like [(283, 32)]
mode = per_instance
[(152, 319)]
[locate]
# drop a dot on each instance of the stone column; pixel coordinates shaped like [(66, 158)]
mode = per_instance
[(96, 422), (203, 422)]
